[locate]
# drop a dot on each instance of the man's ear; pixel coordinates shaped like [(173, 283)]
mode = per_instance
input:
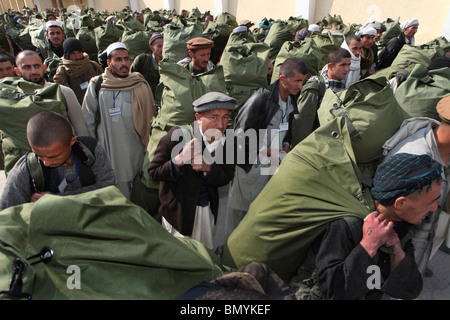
[(73, 140), (108, 62), (191, 53), (45, 68), (17, 71), (400, 202)]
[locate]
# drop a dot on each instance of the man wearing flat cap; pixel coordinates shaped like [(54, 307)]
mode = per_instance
[(428, 136), (199, 50), (191, 164), (76, 69), (148, 63), (374, 258), (118, 109), (394, 45)]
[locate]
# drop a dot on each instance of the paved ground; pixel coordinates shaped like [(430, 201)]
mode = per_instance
[(436, 287)]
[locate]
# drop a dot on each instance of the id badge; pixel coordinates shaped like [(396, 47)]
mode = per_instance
[(114, 112), (283, 127), (62, 186), (84, 85)]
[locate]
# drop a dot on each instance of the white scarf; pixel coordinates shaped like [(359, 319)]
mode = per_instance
[(355, 67)]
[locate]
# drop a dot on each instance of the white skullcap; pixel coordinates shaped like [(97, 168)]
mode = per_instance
[(409, 23), (53, 23), (366, 31), (115, 46), (313, 28)]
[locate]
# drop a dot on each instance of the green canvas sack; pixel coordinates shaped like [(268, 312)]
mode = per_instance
[(245, 68), (279, 33), (86, 35), (20, 34), (417, 54), (136, 42), (304, 50), (176, 38), (325, 42), (372, 114), (219, 34), (96, 245), (422, 90), (316, 183), (19, 101), (105, 35)]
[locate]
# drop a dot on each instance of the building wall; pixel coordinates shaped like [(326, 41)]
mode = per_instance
[(433, 15)]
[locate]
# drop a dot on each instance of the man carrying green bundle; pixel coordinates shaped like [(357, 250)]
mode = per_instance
[(355, 258)]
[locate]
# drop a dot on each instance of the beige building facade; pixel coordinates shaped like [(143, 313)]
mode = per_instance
[(433, 15)]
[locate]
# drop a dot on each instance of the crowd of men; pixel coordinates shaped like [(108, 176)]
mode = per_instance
[(105, 136)]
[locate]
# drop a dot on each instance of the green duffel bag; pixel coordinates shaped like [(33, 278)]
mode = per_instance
[(105, 35), (417, 55), (136, 42), (227, 18), (96, 246), (279, 33), (393, 29), (20, 34), (422, 90), (219, 34), (297, 23), (373, 115), (304, 50), (245, 69), (19, 101), (325, 42), (317, 182), (130, 23), (176, 38), (86, 35)]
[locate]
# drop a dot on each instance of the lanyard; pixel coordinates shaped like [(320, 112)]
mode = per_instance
[(71, 181), (115, 97), (283, 116)]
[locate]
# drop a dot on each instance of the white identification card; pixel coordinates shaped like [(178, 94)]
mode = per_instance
[(62, 186), (114, 112), (283, 127), (84, 85)]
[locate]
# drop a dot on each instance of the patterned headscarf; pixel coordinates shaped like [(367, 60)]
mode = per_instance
[(403, 174)]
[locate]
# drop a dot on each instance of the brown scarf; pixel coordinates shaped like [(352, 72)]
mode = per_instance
[(77, 68), (142, 102), (367, 58)]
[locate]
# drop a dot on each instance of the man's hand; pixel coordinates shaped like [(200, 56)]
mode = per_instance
[(36, 196), (377, 231)]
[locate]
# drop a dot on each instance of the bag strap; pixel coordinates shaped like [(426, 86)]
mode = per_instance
[(98, 85), (37, 173)]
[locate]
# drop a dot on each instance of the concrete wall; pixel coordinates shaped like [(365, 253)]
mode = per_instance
[(433, 15)]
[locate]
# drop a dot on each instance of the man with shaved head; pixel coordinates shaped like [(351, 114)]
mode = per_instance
[(29, 66), (59, 163)]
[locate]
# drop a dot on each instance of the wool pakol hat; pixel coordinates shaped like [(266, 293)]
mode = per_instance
[(443, 109), (199, 43), (214, 101)]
